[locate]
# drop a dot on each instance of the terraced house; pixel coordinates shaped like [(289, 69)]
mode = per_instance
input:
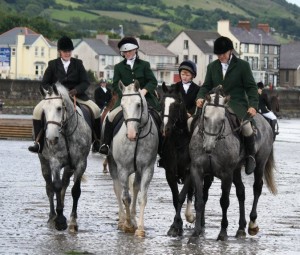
[(24, 54)]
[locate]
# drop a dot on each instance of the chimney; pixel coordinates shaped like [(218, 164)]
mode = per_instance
[(102, 37), (264, 27), (244, 25)]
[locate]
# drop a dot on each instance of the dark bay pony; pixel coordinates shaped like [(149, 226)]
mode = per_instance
[(216, 150), (175, 153), (68, 139), (133, 155)]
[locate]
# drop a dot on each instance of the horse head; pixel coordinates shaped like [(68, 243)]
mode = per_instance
[(54, 108), (213, 118), (134, 108), (174, 114)]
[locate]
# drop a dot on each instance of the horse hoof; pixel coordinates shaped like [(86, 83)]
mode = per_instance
[(61, 223), (139, 233), (174, 232), (222, 238), (193, 240), (120, 225), (128, 228), (190, 218), (240, 233), (105, 171), (253, 231), (73, 229)]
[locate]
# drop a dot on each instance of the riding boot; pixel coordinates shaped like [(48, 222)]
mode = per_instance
[(108, 136), (250, 150), (274, 126), (38, 145), (96, 135)]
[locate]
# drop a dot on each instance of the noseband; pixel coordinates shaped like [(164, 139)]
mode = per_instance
[(64, 119), (220, 132)]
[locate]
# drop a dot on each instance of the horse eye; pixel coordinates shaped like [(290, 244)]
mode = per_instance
[(59, 109)]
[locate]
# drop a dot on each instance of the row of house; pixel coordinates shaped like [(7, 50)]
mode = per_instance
[(24, 54)]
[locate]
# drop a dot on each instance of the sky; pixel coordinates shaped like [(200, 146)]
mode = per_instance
[(297, 2)]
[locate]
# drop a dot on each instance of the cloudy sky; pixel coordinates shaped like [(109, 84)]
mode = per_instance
[(297, 2)]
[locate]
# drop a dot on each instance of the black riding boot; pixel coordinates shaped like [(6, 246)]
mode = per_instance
[(108, 136), (274, 126), (38, 136), (250, 150), (96, 135)]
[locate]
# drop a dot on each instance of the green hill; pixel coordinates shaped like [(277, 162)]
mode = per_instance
[(158, 19)]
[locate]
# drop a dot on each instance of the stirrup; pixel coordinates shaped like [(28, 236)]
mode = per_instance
[(104, 149)]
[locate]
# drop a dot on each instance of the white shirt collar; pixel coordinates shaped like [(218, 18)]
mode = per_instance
[(66, 64), (186, 86)]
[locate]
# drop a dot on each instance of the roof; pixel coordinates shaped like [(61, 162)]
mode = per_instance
[(153, 48), (253, 36), (201, 38), (100, 47), (10, 37), (290, 56)]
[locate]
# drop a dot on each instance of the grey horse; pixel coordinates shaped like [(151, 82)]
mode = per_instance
[(133, 154), (68, 139), (217, 150)]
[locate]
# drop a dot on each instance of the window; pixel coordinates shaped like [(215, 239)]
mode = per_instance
[(36, 51), (42, 52), (266, 62), (246, 48), (266, 49), (275, 63), (275, 50), (13, 51), (255, 63), (287, 76), (210, 58), (36, 70), (185, 57), (251, 63), (185, 44), (256, 48), (195, 59)]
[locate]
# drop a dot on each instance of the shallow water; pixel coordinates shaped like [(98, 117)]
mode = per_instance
[(24, 210)]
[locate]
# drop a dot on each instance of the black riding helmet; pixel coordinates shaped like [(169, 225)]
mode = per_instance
[(65, 44), (189, 66), (260, 85), (222, 45)]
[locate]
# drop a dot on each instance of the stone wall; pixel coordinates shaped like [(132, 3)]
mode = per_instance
[(20, 97)]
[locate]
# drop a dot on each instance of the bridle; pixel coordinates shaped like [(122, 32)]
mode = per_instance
[(219, 135), (64, 120)]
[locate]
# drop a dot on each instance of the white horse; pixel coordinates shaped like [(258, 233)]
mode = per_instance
[(134, 151), (68, 140)]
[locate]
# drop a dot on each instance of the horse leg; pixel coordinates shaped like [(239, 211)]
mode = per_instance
[(240, 193), (60, 220), (207, 183), (76, 192), (134, 188), (224, 201), (199, 203), (105, 170), (118, 193), (189, 216), (127, 227), (144, 184), (257, 188)]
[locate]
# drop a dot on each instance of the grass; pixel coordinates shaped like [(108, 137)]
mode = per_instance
[(67, 3), (66, 15)]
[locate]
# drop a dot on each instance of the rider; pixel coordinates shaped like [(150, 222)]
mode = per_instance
[(130, 69), (264, 107), (71, 73), (235, 76)]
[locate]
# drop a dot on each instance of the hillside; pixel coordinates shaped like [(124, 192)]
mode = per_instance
[(161, 20)]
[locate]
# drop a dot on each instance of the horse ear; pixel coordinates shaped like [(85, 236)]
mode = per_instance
[(43, 91), (208, 97), (121, 86), (164, 87), (55, 89), (136, 85)]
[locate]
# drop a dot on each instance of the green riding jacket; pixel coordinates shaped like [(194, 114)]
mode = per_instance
[(238, 83), (141, 71)]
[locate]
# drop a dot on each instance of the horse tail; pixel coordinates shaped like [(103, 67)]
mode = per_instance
[(269, 174)]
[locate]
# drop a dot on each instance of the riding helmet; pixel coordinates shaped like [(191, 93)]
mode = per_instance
[(189, 66), (127, 44), (65, 44), (260, 85), (222, 45)]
